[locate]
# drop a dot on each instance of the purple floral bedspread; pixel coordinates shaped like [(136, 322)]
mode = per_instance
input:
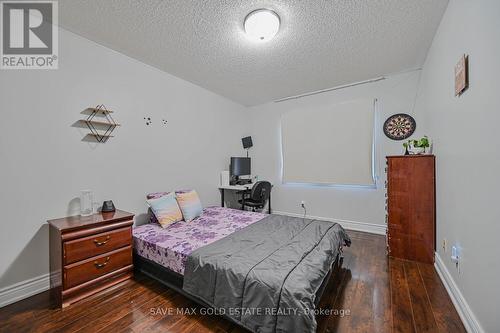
[(170, 247)]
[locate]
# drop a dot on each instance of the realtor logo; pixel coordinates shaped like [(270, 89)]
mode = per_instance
[(29, 36)]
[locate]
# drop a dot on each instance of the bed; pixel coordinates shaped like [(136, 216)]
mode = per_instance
[(264, 272), (171, 247)]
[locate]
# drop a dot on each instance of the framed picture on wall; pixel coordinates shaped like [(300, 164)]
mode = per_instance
[(462, 75)]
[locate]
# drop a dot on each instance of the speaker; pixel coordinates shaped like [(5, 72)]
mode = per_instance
[(108, 206), (247, 142)]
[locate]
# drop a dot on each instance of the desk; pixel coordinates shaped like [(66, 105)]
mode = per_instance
[(222, 189)]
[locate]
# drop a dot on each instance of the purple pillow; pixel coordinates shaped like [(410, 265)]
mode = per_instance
[(156, 195)]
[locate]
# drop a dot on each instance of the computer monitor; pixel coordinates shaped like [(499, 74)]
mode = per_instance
[(240, 166)]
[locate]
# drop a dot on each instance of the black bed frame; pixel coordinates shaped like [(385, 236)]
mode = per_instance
[(175, 280)]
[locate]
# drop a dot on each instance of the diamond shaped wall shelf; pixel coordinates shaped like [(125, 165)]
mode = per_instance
[(100, 123)]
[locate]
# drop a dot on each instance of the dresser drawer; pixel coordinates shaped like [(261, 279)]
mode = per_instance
[(83, 248), (92, 268)]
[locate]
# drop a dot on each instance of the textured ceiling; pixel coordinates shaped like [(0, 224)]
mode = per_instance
[(321, 43)]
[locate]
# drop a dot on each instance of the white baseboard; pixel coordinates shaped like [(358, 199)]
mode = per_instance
[(371, 228), (24, 289), (464, 311)]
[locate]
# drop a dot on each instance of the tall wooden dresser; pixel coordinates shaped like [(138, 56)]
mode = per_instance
[(411, 207), (89, 254)]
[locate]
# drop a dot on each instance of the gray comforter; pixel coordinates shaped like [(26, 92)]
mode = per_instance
[(266, 275)]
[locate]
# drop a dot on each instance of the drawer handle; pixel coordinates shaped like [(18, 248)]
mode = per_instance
[(98, 243), (99, 265)]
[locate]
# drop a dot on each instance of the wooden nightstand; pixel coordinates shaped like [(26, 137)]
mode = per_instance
[(89, 254)]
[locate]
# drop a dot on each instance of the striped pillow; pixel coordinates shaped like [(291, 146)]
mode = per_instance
[(190, 205), (166, 209)]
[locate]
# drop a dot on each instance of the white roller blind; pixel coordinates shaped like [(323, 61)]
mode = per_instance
[(330, 144)]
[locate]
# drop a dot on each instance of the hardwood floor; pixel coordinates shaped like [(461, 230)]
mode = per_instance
[(371, 293)]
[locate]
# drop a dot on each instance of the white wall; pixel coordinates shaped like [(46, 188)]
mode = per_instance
[(396, 94), (465, 131), (44, 163)]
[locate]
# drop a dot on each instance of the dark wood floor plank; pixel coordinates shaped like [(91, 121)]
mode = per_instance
[(361, 307), (105, 316), (179, 321), (158, 311), (447, 318), (184, 325), (402, 316), (380, 293), (44, 320), (139, 314), (36, 307), (68, 317), (331, 297), (371, 309), (421, 306), (346, 299), (14, 316)]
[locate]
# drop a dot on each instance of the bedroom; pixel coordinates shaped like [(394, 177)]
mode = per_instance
[(186, 82)]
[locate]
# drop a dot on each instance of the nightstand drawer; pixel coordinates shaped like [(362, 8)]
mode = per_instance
[(83, 248), (92, 268)]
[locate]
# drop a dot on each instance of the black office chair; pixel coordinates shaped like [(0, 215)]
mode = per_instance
[(258, 196)]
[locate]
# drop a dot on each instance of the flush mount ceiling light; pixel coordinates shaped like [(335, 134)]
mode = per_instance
[(262, 25)]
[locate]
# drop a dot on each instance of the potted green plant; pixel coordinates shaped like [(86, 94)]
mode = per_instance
[(417, 147)]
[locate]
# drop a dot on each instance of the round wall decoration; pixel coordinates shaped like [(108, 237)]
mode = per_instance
[(399, 126)]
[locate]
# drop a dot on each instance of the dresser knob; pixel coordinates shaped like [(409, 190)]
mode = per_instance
[(101, 243), (101, 265)]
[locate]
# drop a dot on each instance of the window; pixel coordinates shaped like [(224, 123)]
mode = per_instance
[(331, 144)]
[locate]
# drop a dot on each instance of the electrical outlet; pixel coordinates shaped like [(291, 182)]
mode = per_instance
[(444, 245), (456, 256)]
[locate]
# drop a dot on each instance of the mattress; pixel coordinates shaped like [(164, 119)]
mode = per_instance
[(171, 246)]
